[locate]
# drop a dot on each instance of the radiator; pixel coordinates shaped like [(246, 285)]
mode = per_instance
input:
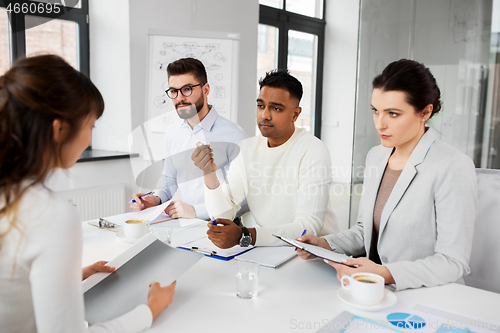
[(98, 202)]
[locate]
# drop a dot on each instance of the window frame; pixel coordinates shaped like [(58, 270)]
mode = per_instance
[(77, 15), (285, 21)]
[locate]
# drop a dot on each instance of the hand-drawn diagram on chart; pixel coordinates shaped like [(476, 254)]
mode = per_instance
[(217, 55)]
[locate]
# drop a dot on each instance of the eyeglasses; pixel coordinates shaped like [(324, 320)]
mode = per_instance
[(186, 90)]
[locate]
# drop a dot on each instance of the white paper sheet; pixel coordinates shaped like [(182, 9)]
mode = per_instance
[(174, 223), (407, 316), (149, 214)]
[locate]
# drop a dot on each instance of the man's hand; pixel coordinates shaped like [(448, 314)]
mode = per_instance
[(226, 235), (203, 158), (178, 208), (96, 267), (145, 202)]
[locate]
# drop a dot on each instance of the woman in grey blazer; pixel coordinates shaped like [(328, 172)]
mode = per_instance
[(417, 211)]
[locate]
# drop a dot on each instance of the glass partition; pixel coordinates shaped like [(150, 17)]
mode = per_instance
[(454, 39)]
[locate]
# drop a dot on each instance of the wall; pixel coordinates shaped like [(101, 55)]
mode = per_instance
[(110, 71), (90, 175), (339, 96)]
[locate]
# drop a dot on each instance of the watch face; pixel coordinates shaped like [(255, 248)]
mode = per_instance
[(245, 241)]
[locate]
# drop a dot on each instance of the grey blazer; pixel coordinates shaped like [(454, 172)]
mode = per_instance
[(427, 224)]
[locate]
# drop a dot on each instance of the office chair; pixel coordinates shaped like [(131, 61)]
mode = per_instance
[(485, 257)]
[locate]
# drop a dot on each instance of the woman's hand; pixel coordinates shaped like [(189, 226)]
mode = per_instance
[(159, 298), (313, 240), (96, 267), (364, 265)]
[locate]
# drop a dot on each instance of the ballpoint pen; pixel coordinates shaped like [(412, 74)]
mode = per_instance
[(214, 222), (196, 249), (133, 200), (303, 233)]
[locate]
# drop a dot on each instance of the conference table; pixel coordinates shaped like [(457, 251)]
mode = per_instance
[(300, 296)]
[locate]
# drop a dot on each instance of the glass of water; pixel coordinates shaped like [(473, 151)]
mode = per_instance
[(163, 234), (247, 278)]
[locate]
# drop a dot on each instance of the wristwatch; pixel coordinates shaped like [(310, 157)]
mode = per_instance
[(246, 238)]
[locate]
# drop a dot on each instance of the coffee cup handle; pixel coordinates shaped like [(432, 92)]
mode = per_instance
[(346, 287)]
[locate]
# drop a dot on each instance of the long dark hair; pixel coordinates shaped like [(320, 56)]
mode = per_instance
[(415, 80), (33, 93)]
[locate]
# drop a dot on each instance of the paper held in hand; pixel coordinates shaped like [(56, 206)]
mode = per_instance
[(316, 250), (149, 214)]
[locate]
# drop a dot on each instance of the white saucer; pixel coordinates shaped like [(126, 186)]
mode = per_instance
[(121, 235), (388, 300)]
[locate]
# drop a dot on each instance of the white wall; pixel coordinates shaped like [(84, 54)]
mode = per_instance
[(110, 71), (339, 84), (339, 96)]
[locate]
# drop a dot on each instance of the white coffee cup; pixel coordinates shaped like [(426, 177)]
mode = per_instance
[(135, 228), (365, 288)]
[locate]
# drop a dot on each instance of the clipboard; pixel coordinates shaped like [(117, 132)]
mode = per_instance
[(316, 250), (109, 295), (207, 248)]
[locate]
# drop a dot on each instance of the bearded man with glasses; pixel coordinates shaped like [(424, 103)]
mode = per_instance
[(188, 90)]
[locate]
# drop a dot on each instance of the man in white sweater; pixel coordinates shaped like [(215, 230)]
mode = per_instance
[(283, 174)]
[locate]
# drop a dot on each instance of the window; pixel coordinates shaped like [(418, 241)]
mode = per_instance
[(34, 27), (4, 41), (293, 39)]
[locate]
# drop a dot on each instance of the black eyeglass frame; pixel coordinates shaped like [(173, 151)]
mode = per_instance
[(176, 91)]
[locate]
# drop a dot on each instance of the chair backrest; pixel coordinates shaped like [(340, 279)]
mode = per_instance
[(485, 258)]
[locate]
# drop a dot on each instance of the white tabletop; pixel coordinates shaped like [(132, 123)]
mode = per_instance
[(300, 296)]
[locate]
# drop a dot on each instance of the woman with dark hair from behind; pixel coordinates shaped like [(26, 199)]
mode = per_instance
[(416, 214), (47, 112)]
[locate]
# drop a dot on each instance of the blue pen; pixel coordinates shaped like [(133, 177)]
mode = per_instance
[(133, 200), (213, 221), (303, 233)]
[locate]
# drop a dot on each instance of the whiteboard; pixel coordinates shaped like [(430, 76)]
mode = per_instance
[(218, 51)]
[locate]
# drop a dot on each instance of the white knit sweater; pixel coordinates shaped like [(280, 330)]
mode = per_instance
[(41, 272), (286, 187)]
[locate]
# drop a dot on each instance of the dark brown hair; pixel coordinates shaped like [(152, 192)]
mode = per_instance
[(188, 66), (415, 80), (33, 93)]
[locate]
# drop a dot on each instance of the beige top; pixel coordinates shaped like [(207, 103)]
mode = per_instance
[(387, 184)]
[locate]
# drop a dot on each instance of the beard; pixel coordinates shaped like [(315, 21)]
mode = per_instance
[(190, 110)]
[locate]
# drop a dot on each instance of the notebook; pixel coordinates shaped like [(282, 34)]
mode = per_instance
[(209, 249)]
